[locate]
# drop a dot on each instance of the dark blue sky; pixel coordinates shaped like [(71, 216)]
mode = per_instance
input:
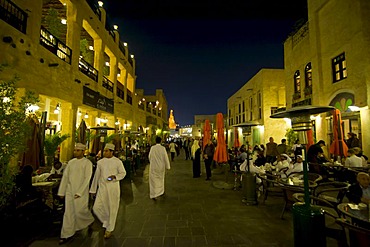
[(202, 52)]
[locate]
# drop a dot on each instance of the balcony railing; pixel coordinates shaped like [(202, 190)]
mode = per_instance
[(94, 7), (87, 69), (107, 84), (297, 95), (129, 97), (120, 93), (54, 45), (122, 47), (130, 60), (13, 15)]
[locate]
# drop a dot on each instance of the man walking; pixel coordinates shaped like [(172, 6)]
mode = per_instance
[(74, 187), (159, 162), (107, 175)]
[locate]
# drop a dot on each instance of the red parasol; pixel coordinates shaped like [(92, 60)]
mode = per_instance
[(236, 138), (310, 141), (220, 155), (338, 146), (207, 133), (32, 154)]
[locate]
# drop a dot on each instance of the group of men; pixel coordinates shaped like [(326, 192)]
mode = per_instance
[(74, 187)]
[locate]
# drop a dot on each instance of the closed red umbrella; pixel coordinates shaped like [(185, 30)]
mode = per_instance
[(236, 138), (33, 145), (220, 155), (338, 146), (206, 133), (81, 138)]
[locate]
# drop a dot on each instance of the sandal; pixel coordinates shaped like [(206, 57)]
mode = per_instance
[(64, 240), (107, 234)]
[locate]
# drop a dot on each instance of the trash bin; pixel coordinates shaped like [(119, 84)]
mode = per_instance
[(249, 188), (309, 226)]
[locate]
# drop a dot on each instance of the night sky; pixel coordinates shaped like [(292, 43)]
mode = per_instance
[(201, 52)]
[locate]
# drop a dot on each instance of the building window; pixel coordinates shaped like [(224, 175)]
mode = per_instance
[(243, 118), (339, 68), (274, 110), (297, 82), (259, 104), (243, 106), (308, 75), (240, 108), (250, 109)]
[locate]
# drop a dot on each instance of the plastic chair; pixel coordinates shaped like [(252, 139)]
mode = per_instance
[(288, 192), (357, 236), (270, 185), (333, 192)]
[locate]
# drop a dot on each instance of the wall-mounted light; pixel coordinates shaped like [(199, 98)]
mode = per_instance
[(100, 3), (86, 115), (115, 27), (32, 108), (124, 44), (107, 64), (64, 21), (79, 113), (143, 99), (118, 75), (132, 56), (91, 48), (117, 122), (57, 109), (104, 120), (354, 108)]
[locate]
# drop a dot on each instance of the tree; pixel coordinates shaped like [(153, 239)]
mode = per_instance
[(51, 144), (14, 130)]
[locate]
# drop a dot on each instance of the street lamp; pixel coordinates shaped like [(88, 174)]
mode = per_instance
[(308, 220)]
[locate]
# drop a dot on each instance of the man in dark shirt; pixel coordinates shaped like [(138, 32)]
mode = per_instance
[(208, 153), (315, 154)]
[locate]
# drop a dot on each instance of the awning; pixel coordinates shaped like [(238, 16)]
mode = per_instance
[(247, 124)]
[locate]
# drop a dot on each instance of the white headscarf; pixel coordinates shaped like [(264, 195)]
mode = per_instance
[(194, 148)]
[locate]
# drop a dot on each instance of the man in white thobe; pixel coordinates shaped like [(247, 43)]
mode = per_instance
[(74, 187), (159, 162), (107, 175)]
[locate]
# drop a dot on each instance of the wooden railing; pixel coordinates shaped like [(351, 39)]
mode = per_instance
[(120, 93), (13, 15), (54, 45), (122, 47), (87, 69), (107, 84), (94, 7), (129, 97)]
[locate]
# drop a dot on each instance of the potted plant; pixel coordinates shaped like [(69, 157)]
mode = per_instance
[(14, 131), (308, 90), (51, 144), (297, 95)]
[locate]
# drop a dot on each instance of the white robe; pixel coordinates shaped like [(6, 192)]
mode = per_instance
[(75, 181), (159, 162), (107, 199)]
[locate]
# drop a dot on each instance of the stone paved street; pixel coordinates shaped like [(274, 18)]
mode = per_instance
[(193, 213)]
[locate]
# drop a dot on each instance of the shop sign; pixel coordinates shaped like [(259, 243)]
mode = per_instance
[(96, 100)]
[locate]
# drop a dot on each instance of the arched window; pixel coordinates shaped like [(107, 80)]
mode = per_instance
[(308, 75), (297, 82)]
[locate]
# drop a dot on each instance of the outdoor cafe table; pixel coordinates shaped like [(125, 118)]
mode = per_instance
[(358, 216), (297, 183), (46, 189)]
